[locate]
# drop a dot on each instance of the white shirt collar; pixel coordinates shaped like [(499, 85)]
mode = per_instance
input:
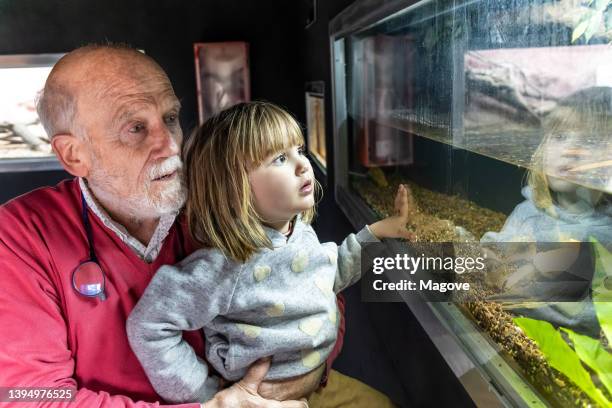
[(148, 253)]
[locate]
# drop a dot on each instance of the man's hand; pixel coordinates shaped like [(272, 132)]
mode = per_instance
[(395, 226), (292, 388), (244, 394)]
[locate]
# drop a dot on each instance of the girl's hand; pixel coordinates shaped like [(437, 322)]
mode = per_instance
[(395, 226)]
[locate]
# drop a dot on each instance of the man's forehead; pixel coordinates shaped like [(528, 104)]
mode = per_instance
[(137, 95), (121, 84), (131, 105), (121, 90)]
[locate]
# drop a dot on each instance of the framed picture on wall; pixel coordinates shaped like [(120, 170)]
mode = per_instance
[(315, 123), (222, 76), (24, 144)]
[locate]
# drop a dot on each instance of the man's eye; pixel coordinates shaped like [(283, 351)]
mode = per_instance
[(280, 159), (136, 128), (171, 119)]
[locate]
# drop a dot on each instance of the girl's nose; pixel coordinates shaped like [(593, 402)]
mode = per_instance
[(303, 165)]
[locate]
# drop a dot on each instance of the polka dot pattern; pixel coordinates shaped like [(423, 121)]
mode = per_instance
[(300, 261)]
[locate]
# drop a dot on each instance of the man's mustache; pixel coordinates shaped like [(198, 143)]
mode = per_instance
[(168, 166)]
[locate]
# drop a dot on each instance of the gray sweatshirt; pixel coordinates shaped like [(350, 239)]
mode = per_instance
[(280, 303)]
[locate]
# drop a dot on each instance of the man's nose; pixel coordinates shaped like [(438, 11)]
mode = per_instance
[(165, 142)]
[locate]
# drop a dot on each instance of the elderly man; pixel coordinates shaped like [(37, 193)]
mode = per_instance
[(113, 118)]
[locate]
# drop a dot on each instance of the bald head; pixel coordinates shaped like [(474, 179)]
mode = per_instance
[(113, 118), (85, 73)]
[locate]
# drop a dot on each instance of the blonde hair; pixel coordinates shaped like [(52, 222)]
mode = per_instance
[(220, 210), (586, 114)]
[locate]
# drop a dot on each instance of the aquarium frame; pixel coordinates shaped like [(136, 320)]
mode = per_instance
[(473, 351), (27, 164)]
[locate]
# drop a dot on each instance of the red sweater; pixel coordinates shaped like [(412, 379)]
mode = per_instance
[(50, 336)]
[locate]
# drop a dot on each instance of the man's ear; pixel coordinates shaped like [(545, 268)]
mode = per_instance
[(72, 153)]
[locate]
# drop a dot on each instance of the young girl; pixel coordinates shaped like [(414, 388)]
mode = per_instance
[(262, 284)]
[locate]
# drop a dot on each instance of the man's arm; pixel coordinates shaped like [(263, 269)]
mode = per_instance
[(34, 348)]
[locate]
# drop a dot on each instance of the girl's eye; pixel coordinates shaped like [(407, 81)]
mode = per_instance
[(302, 150), (280, 159), (136, 128), (560, 137)]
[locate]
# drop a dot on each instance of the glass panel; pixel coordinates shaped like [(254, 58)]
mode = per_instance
[(497, 114)]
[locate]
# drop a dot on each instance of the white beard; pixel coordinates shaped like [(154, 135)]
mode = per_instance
[(143, 203)]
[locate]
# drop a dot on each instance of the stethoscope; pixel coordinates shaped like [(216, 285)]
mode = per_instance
[(88, 278)]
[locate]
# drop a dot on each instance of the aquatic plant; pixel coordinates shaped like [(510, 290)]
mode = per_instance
[(597, 14), (584, 350), (602, 288), (561, 356)]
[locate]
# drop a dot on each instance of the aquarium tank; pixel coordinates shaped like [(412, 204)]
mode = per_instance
[(498, 117)]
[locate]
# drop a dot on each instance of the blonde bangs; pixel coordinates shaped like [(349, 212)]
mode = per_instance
[(272, 130), (220, 211)]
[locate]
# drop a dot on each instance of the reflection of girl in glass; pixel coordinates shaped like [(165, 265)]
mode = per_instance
[(574, 153), (562, 203)]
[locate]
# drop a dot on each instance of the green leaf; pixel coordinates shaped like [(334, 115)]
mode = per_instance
[(601, 287), (594, 23), (560, 356), (593, 354), (579, 30)]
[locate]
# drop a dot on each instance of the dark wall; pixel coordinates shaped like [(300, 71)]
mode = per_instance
[(166, 30), (316, 62)]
